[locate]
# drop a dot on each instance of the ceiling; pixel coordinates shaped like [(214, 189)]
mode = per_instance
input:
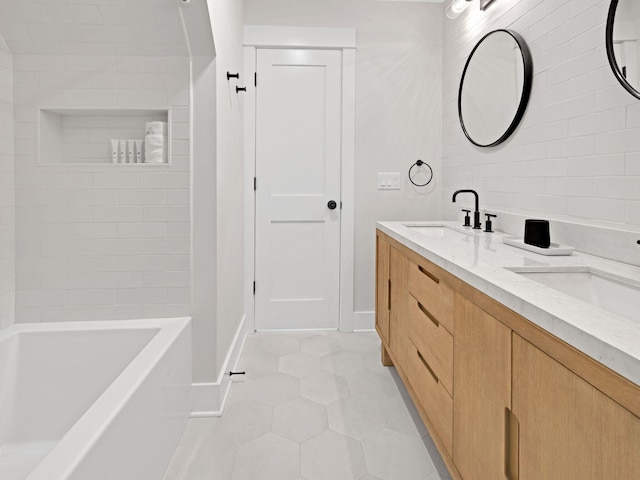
[(93, 27), (414, 1)]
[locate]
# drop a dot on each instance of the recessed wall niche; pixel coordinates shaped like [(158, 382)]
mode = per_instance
[(82, 137)]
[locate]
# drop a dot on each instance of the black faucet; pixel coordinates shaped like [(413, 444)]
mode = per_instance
[(477, 225)]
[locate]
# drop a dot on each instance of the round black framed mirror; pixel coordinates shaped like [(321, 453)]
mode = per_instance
[(495, 88), (622, 34)]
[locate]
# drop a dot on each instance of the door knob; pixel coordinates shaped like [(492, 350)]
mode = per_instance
[(332, 204)]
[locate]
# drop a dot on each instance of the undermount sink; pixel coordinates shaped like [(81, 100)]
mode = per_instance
[(615, 294), (439, 230)]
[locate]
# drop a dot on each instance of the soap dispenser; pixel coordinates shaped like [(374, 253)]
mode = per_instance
[(139, 144), (123, 151), (131, 148), (114, 150)]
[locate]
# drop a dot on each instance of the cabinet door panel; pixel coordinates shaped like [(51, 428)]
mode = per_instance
[(482, 391), (382, 287), (569, 430), (621, 434), (398, 321)]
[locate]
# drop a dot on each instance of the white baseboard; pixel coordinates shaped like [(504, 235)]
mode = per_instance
[(364, 321), (208, 399)]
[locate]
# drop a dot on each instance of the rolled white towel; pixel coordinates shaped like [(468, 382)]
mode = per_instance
[(156, 128), (155, 148)]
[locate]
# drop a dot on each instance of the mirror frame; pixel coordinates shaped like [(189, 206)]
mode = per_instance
[(527, 61), (610, 53)]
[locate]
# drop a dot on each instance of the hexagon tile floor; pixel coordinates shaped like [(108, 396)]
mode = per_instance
[(312, 406)]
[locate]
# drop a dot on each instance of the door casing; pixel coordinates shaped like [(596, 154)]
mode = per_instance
[(343, 39)]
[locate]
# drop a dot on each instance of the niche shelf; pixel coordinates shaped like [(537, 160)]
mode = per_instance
[(82, 136)]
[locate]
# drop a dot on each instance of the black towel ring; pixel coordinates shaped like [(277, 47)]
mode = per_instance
[(419, 163)]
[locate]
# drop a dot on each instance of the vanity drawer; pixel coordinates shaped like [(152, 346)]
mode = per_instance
[(427, 286), (431, 395), (434, 342)]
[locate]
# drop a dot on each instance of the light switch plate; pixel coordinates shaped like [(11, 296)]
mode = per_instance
[(388, 181)]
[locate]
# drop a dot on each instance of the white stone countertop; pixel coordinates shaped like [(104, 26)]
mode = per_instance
[(479, 259)]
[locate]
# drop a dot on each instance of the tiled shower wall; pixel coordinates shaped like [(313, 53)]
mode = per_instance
[(576, 155), (104, 241), (7, 226)]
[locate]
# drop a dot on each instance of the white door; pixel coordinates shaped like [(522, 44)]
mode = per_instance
[(298, 147)]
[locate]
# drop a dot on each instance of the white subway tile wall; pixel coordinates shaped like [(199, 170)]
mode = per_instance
[(576, 155), (96, 27), (7, 183), (101, 241)]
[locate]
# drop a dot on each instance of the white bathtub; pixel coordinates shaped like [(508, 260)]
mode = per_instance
[(93, 400)]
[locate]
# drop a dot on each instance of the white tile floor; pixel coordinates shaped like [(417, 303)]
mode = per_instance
[(312, 406)]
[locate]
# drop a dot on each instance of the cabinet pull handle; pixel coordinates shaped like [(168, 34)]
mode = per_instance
[(389, 296), (511, 446), (427, 314), (429, 274), (424, 362)]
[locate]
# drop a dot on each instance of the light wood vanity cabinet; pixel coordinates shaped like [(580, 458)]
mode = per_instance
[(420, 340), (482, 385), (391, 297), (584, 434), (502, 398), (383, 282), (398, 327)]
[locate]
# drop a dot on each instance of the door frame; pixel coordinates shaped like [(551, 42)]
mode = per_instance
[(343, 39)]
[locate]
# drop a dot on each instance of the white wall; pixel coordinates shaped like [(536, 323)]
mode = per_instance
[(576, 155), (107, 241), (7, 199), (204, 222), (398, 107), (227, 16)]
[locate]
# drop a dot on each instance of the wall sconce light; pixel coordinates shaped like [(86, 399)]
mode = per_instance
[(456, 7)]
